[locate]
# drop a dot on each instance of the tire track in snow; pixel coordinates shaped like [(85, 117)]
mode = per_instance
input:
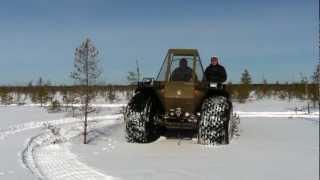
[(33, 125), (75, 105), (56, 162), (33, 156), (285, 114), (39, 124), (48, 160)]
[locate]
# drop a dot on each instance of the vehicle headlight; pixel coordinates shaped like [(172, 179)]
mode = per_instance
[(213, 85)]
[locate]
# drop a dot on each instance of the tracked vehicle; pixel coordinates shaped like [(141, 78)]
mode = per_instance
[(180, 100)]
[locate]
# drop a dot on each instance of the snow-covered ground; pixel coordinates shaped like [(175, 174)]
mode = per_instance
[(276, 142)]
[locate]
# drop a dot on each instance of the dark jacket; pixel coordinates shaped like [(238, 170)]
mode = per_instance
[(216, 73), (181, 74)]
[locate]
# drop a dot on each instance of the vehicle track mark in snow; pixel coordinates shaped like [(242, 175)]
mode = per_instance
[(58, 163), (75, 105), (288, 114), (34, 125), (4, 133), (48, 160)]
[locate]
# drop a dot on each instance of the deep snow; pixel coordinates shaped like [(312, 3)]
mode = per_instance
[(275, 143), (267, 149)]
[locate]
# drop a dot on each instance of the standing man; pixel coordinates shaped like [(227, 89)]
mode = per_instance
[(215, 72)]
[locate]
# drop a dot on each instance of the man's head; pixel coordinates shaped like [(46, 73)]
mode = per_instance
[(214, 60), (183, 63)]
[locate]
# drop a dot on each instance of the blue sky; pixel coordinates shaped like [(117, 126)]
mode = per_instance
[(272, 39)]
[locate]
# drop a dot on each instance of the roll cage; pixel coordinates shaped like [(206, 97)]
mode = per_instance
[(174, 55)]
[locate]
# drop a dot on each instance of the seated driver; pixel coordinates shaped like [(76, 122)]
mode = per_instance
[(183, 72)]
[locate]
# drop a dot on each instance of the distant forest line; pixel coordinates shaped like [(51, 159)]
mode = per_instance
[(241, 92)]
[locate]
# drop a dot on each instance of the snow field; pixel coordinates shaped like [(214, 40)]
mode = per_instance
[(276, 142)]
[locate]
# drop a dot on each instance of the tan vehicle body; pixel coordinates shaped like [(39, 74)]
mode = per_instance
[(184, 96), (181, 94)]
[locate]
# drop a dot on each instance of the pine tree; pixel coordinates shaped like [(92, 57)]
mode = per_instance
[(111, 95), (246, 77), (70, 99), (315, 93), (42, 92), (303, 93), (30, 84), (264, 81), (316, 75), (244, 89), (262, 90), (86, 72), (5, 97), (54, 106)]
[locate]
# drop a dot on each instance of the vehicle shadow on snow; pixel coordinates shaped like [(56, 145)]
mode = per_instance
[(106, 133), (180, 134), (116, 133)]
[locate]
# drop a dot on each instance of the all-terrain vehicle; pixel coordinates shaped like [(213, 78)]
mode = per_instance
[(179, 101)]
